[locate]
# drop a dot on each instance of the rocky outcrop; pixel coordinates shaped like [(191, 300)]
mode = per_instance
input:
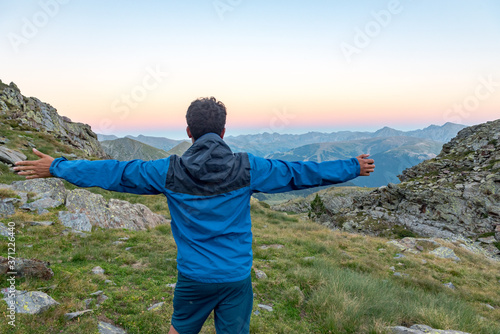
[(84, 209), (455, 194), (32, 114), (334, 199), (10, 157), (112, 214)]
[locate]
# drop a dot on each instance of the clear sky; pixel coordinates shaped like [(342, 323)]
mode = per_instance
[(133, 67)]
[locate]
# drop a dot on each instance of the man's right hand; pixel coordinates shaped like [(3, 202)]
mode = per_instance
[(34, 169), (367, 166)]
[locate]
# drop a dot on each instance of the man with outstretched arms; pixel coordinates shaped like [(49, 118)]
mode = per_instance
[(208, 190)]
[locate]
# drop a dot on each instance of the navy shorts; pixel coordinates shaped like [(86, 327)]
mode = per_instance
[(194, 301)]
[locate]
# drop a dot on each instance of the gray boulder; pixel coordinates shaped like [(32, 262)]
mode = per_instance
[(9, 156), (112, 214), (6, 208), (44, 188), (27, 268), (445, 253), (41, 204), (31, 302), (75, 221), (4, 231), (93, 205), (133, 216)]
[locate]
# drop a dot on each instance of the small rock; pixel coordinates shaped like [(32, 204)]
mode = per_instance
[(124, 238), (488, 240), (101, 299), (44, 223), (424, 261), (97, 293), (87, 302), (309, 258), (118, 242), (392, 268), (274, 246), (69, 316), (257, 312), (128, 248), (171, 285), (450, 285), (265, 307), (6, 208), (399, 256), (445, 253), (106, 328), (489, 306), (97, 271), (156, 306), (260, 274), (109, 282)]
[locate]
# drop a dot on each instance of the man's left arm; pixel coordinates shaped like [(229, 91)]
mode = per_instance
[(136, 176)]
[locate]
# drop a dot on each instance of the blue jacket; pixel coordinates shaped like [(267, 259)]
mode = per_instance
[(208, 191)]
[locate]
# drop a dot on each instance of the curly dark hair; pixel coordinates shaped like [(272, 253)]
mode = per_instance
[(206, 115)]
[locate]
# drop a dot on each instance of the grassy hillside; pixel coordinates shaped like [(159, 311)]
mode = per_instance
[(321, 281), (124, 149)]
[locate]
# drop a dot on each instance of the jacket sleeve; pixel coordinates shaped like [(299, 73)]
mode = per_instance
[(274, 176), (135, 176)]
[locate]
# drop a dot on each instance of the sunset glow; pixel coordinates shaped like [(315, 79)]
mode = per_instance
[(288, 67)]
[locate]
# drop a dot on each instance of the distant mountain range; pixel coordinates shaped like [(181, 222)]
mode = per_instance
[(268, 143), (392, 155), (265, 144)]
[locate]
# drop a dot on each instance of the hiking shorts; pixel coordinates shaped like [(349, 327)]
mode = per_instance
[(194, 301)]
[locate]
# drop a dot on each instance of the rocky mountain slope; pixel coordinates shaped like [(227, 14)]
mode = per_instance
[(158, 142), (30, 114), (392, 155), (124, 149), (180, 149), (455, 194)]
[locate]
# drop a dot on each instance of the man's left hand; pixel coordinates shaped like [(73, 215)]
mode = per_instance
[(366, 165), (34, 169)]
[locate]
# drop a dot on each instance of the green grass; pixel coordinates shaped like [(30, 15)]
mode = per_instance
[(346, 288)]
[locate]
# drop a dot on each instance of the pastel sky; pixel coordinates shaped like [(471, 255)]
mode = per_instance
[(288, 66)]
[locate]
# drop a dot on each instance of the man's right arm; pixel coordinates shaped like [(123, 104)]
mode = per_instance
[(136, 176)]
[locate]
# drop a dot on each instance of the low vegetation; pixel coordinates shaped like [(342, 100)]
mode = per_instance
[(321, 281)]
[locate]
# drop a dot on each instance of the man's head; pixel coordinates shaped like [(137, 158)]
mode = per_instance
[(206, 115)]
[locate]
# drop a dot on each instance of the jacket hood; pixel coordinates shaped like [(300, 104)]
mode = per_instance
[(209, 159)]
